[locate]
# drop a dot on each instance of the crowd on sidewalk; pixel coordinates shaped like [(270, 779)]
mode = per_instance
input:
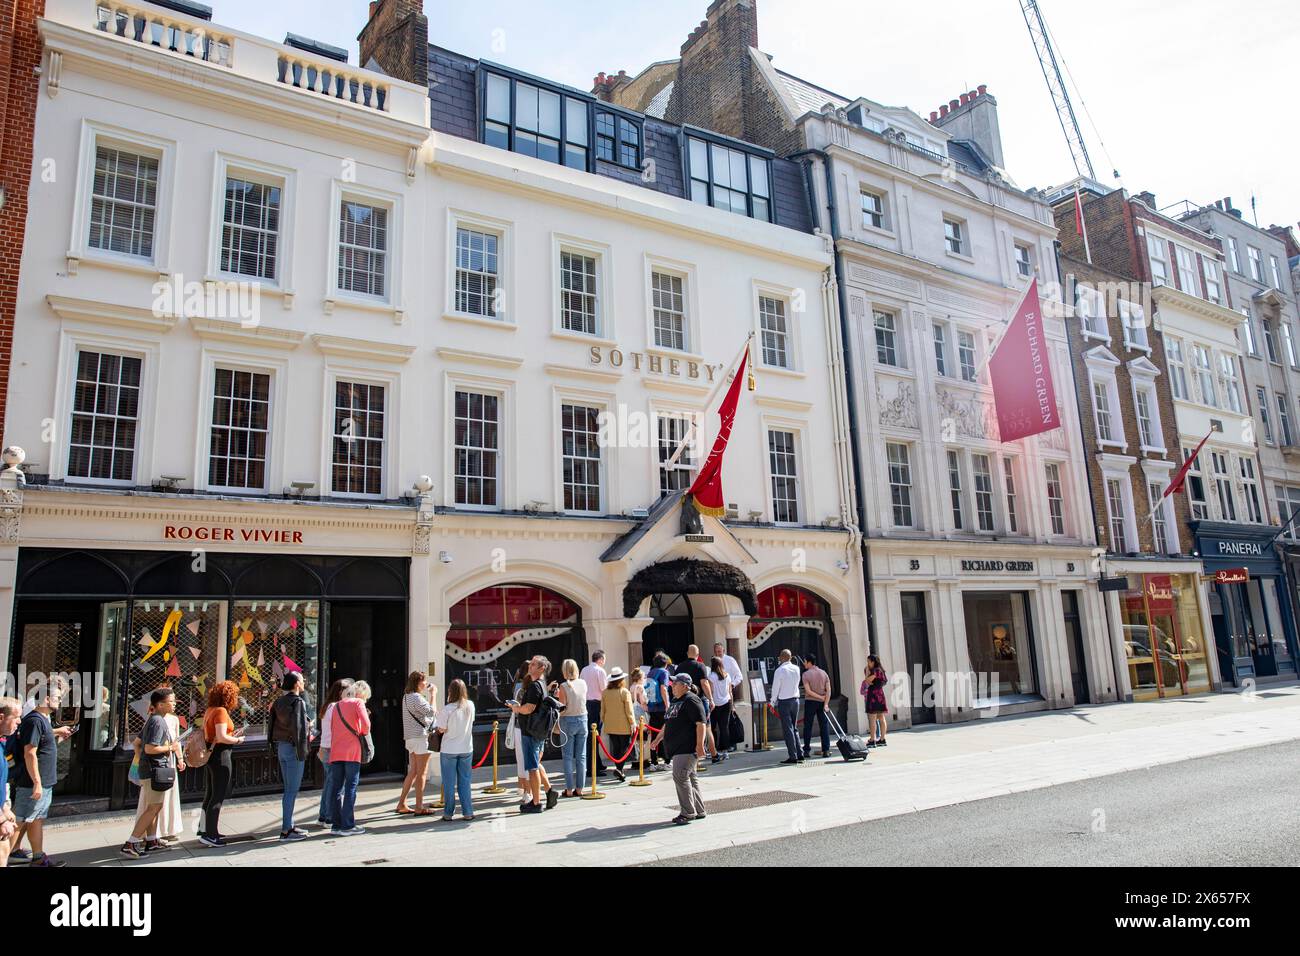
[(680, 713)]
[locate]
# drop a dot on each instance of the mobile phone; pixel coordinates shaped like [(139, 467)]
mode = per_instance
[(74, 730)]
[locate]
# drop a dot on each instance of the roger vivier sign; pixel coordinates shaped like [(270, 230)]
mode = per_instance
[(651, 363), (254, 535)]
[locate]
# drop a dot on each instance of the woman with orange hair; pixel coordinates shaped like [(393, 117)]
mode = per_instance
[(219, 732)]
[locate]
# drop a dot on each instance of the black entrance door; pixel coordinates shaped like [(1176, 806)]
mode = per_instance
[(916, 642), (673, 629), (1261, 647), (63, 638), (1074, 642), (367, 641)]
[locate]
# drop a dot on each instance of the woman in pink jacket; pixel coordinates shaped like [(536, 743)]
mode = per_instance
[(349, 723)]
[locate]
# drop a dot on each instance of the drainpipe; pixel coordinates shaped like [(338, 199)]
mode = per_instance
[(840, 299)]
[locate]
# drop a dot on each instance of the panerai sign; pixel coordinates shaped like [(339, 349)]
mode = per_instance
[(648, 362), (1009, 567), (1241, 547), (190, 532)]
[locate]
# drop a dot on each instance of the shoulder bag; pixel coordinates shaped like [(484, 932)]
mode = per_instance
[(366, 741)]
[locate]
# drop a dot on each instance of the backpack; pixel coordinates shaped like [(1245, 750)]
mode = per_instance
[(197, 750), (541, 723)]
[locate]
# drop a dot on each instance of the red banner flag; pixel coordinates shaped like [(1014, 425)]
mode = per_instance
[(707, 489), (1023, 390), (1180, 476)]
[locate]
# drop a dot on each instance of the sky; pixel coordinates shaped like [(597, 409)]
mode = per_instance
[(1186, 98)]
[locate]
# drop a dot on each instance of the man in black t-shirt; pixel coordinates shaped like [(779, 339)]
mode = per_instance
[(701, 677), (35, 773), (682, 738)]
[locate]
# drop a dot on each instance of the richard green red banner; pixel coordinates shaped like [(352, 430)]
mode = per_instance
[(1021, 373)]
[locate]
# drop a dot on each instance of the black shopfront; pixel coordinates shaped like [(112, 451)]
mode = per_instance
[(127, 622), (1249, 601)]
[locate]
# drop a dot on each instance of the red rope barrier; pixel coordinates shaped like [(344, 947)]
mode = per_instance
[(611, 757), (486, 753)]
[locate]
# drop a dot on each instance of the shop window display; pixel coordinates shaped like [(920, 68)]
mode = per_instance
[(496, 629), (174, 644), (791, 618), (1000, 644), (268, 638), (1164, 644)]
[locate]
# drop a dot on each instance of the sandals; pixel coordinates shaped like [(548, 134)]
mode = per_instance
[(405, 812), (422, 812)]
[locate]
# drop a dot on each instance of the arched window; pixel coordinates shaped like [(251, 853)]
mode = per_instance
[(793, 618), (496, 629)]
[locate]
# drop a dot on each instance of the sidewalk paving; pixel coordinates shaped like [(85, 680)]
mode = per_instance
[(920, 769)]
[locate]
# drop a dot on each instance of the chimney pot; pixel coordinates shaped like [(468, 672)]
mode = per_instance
[(622, 72), (983, 89), (374, 5), (953, 104), (934, 115), (943, 111), (973, 93), (965, 98)]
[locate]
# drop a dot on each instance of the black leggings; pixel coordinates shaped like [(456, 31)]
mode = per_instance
[(618, 744), (720, 720), (219, 770)]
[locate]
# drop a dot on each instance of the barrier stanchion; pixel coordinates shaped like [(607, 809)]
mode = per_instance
[(641, 781), (594, 794), (766, 745), (496, 787)]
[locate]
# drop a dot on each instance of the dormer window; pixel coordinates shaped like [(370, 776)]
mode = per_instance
[(618, 139), (728, 178), (534, 120)]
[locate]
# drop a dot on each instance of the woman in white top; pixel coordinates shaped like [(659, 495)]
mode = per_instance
[(417, 722), (456, 757), (573, 723), (720, 714)]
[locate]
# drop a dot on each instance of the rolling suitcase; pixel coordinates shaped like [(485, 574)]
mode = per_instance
[(852, 746)]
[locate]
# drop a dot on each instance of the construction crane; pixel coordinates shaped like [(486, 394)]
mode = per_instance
[(1056, 86)]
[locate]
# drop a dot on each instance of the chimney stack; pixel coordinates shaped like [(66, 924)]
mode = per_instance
[(974, 116), (396, 38)]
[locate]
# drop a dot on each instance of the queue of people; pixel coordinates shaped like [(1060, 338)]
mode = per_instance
[(688, 707)]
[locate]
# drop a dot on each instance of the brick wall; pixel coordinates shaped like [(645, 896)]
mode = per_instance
[(20, 56), (397, 38), (1125, 416)]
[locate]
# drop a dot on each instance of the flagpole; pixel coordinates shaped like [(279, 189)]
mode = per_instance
[(709, 401)]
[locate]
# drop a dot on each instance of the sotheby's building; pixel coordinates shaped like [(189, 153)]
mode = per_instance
[(355, 372)]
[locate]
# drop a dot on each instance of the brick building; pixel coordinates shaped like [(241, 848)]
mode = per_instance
[(1179, 270)]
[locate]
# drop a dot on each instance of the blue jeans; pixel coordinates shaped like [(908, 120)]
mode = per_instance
[(291, 769), (575, 751), (455, 779), (788, 710), (341, 793)]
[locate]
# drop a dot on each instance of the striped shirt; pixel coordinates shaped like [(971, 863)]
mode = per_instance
[(417, 715)]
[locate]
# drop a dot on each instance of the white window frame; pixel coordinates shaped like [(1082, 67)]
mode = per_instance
[(1203, 373), (1157, 243), (238, 167), (1276, 272), (1248, 331), (1230, 382), (603, 404), (1145, 386), (1011, 497), (954, 465), (1261, 399), (1288, 343), (1063, 498), (1115, 497), (1134, 322), (943, 359), (975, 338), (1234, 255), (600, 252), (793, 331), (962, 231), (803, 502), (1200, 509), (690, 302), (341, 192), (1285, 436), (1213, 280), (93, 135), (1176, 360), (504, 231), (882, 209), (390, 382), (908, 487), (1090, 307), (686, 414), (1102, 375), (1185, 262), (278, 369), (1024, 267), (1223, 482), (1156, 477), (504, 390), (994, 516), (1256, 262), (1250, 490), (895, 332), (148, 350)]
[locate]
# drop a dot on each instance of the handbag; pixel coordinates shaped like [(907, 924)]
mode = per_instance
[(735, 728), (162, 775), (367, 743), (434, 734)]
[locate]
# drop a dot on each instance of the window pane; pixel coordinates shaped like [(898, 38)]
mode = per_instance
[(498, 98), (548, 113), (575, 130), (758, 176), (526, 107), (721, 166), (699, 160)]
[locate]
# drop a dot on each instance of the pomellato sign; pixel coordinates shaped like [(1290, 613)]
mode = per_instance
[(254, 535)]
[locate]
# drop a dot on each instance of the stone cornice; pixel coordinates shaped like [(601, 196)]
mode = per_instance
[(478, 358), (341, 347), (263, 336), (106, 313), (1196, 306)]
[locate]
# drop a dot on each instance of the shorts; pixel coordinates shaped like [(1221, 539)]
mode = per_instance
[(532, 752), (417, 746), (28, 810), (152, 797)]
